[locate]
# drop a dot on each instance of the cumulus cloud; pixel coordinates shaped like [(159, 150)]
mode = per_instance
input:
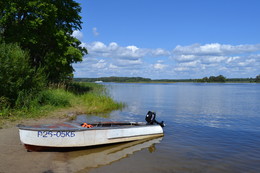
[(247, 62), (183, 58), (214, 59), (232, 59), (215, 49), (191, 61), (128, 63), (77, 34), (160, 52), (159, 66), (190, 64), (100, 64), (113, 50)]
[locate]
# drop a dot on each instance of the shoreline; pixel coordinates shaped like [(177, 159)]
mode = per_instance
[(63, 114), (57, 102)]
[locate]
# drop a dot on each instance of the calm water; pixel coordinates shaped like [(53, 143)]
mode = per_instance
[(210, 127)]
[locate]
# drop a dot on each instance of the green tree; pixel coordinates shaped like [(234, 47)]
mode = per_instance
[(44, 27), (17, 76), (205, 79), (257, 79), (219, 78)]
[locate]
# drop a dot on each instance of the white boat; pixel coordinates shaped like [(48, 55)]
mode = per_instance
[(99, 81), (69, 134)]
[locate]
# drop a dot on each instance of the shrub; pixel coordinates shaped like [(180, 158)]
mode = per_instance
[(16, 75), (55, 97)]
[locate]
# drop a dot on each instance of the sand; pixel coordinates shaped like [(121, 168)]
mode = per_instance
[(15, 158)]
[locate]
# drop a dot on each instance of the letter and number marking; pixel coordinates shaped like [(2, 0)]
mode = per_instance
[(59, 134)]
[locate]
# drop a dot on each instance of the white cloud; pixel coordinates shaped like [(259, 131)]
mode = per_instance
[(191, 61), (213, 59), (113, 50), (232, 59), (77, 34), (190, 64), (100, 64), (215, 49), (112, 66), (247, 62), (97, 47), (132, 48), (160, 52), (113, 46), (185, 58), (128, 63), (159, 66)]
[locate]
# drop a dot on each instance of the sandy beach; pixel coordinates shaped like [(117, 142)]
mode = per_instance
[(15, 158)]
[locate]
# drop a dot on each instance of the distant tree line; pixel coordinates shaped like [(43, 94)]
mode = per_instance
[(114, 79), (217, 79), (243, 80)]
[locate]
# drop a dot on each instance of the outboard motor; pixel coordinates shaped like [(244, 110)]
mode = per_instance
[(150, 119)]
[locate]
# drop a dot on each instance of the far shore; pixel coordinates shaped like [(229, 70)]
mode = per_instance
[(211, 79)]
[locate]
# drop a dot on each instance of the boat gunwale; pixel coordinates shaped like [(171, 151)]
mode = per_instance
[(79, 128)]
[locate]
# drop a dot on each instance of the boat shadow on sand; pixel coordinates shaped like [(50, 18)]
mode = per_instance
[(83, 159)]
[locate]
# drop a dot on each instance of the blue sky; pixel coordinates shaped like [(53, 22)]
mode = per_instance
[(170, 39)]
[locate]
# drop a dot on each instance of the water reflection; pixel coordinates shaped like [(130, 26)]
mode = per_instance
[(93, 157)]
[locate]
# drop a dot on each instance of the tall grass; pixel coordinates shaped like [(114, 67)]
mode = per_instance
[(96, 103), (56, 97), (88, 98), (96, 100)]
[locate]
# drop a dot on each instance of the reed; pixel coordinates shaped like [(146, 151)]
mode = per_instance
[(77, 98), (99, 103)]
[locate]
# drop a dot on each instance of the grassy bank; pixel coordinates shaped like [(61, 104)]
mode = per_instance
[(60, 100)]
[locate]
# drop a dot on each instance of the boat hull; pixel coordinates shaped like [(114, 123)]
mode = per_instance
[(82, 137)]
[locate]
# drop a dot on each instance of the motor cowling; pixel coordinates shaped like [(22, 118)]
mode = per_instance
[(150, 119)]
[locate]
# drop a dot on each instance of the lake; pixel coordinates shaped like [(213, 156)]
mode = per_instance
[(209, 128)]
